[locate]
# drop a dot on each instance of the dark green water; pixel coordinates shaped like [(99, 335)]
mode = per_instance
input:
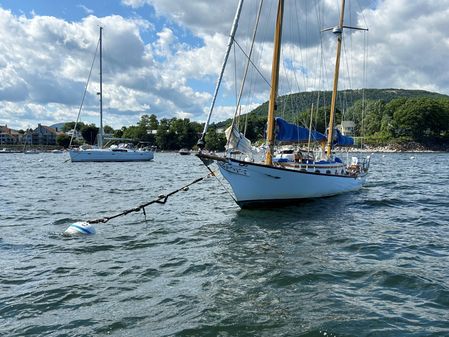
[(372, 263)]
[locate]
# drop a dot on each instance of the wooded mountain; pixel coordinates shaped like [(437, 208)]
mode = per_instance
[(381, 116), (290, 105)]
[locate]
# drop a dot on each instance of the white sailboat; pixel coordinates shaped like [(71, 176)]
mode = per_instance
[(287, 177), (120, 153)]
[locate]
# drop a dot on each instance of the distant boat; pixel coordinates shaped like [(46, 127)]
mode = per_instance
[(31, 152), (115, 153), (5, 150), (184, 152), (291, 175), (120, 153)]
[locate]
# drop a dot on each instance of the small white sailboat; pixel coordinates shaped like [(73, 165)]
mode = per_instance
[(289, 176), (184, 152), (29, 150), (120, 153)]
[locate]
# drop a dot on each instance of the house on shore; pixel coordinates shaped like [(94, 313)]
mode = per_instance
[(346, 128), (42, 135), (9, 136)]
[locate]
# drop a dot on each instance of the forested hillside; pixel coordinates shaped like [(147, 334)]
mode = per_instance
[(381, 116)]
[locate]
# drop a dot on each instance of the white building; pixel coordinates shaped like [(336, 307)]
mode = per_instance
[(346, 128)]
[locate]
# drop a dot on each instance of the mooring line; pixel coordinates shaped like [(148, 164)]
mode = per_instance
[(162, 199), (212, 173)]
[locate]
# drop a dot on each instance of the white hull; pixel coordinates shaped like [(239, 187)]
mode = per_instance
[(107, 155), (254, 184)]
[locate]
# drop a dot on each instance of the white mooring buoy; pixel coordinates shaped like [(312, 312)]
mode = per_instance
[(80, 228)]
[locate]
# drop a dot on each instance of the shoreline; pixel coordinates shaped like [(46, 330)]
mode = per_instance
[(406, 147), (388, 149)]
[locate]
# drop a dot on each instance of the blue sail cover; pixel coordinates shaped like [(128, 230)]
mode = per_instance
[(343, 140), (286, 132)]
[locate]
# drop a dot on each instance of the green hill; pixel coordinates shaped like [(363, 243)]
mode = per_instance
[(387, 116), (290, 105)]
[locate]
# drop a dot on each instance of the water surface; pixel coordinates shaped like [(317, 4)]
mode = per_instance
[(371, 263)]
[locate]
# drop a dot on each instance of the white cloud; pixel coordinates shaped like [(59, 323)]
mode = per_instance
[(44, 61), (409, 44), (200, 16), (134, 3), (164, 43), (85, 9)]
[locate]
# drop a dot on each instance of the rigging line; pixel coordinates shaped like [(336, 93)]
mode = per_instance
[(235, 74), (318, 64), (287, 81), (84, 94), (323, 69), (296, 102), (362, 11), (235, 82), (348, 70), (201, 141), (284, 70), (345, 55), (245, 74), (250, 61), (162, 199), (349, 52), (365, 50), (317, 108), (310, 129), (323, 73), (252, 96), (315, 78), (299, 44), (306, 77), (212, 173)]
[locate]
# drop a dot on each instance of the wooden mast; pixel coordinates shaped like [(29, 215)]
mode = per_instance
[(338, 32), (272, 107)]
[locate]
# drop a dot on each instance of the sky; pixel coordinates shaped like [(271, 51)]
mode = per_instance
[(163, 57)]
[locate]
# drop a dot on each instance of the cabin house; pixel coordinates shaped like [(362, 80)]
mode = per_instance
[(346, 128)]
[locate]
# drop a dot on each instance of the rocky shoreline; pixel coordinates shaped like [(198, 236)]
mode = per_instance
[(403, 147)]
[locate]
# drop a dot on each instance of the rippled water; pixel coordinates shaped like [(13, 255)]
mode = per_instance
[(373, 263)]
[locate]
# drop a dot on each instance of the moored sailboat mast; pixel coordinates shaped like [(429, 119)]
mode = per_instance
[(100, 137), (116, 153), (274, 83), (338, 32)]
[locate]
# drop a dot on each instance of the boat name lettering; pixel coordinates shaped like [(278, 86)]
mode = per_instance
[(233, 169)]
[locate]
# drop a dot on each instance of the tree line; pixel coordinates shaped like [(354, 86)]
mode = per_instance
[(166, 134), (421, 119)]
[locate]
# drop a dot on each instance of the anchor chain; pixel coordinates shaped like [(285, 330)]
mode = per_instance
[(161, 199)]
